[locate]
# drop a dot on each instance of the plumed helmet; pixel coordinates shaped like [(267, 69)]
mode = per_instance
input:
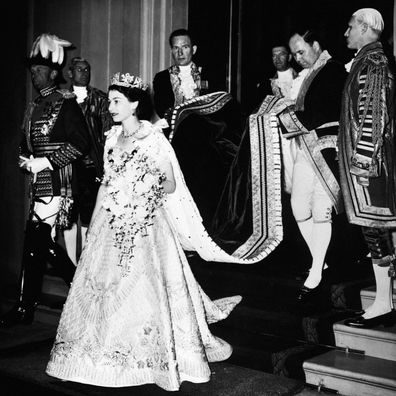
[(48, 50)]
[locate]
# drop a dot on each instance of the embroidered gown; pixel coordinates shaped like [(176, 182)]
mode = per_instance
[(142, 318)]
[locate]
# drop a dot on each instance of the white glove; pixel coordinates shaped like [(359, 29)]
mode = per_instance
[(46, 43), (36, 165)]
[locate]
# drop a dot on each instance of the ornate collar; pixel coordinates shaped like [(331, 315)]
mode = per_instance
[(195, 70), (367, 49), (47, 91), (323, 58), (184, 90)]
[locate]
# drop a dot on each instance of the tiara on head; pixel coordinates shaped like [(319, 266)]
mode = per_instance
[(126, 80)]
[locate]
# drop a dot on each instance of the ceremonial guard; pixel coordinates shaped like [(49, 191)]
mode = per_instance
[(55, 135)]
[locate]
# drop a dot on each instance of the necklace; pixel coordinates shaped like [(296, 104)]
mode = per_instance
[(127, 134)]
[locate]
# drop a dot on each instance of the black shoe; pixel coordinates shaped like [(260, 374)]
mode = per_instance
[(360, 322), (359, 312), (305, 293), (20, 314)]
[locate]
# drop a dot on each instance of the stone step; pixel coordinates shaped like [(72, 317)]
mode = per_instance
[(379, 342), (352, 374), (367, 296), (302, 324), (346, 294), (253, 350), (265, 282)]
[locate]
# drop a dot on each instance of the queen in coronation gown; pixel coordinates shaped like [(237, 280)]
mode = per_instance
[(135, 313)]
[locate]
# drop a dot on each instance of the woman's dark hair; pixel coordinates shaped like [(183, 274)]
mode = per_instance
[(144, 110)]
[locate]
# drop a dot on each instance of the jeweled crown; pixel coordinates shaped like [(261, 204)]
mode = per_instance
[(127, 80)]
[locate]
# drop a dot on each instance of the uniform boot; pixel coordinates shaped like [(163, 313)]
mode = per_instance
[(33, 267), (61, 262)]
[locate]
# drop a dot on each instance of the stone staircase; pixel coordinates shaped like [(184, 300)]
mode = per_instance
[(269, 329), (364, 362)]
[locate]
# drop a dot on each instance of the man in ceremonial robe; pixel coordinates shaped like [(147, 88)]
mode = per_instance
[(312, 124), (281, 82), (181, 81), (367, 157), (204, 128), (95, 106), (308, 118)]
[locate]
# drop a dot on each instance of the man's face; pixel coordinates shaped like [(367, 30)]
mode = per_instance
[(42, 76), (280, 58), (80, 74), (182, 50), (304, 54), (354, 34)]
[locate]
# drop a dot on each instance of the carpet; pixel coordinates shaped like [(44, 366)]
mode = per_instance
[(25, 336), (23, 373)]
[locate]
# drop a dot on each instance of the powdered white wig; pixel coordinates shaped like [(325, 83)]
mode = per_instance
[(370, 16)]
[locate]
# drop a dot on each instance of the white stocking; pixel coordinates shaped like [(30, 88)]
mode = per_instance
[(383, 297), (320, 239), (305, 228)]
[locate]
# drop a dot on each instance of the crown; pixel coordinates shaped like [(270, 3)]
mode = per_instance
[(126, 80)]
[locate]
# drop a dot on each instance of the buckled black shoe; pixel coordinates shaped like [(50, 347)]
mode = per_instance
[(20, 314), (358, 312), (385, 320)]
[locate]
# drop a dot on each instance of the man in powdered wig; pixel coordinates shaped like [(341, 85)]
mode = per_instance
[(367, 157)]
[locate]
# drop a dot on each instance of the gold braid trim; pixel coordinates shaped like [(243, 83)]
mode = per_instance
[(373, 95)]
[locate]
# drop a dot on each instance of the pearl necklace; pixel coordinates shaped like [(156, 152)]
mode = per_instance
[(126, 134)]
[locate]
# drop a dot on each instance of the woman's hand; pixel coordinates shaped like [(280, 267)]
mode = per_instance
[(169, 184)]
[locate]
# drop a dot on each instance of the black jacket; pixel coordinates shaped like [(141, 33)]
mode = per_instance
[(164, 98)]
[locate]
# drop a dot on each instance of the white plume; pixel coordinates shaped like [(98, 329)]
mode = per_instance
[(46, 43)]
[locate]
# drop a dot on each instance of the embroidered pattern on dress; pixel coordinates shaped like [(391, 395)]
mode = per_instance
[(138, 356)]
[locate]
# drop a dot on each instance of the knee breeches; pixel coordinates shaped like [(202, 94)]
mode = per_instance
[(380, 244), (308, 197)]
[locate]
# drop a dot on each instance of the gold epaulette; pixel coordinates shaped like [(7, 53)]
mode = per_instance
[(66, 93)]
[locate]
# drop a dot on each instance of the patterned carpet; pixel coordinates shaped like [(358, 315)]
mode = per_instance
[(24, 354)]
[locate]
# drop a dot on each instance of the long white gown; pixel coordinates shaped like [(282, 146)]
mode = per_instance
[(143, 319)]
